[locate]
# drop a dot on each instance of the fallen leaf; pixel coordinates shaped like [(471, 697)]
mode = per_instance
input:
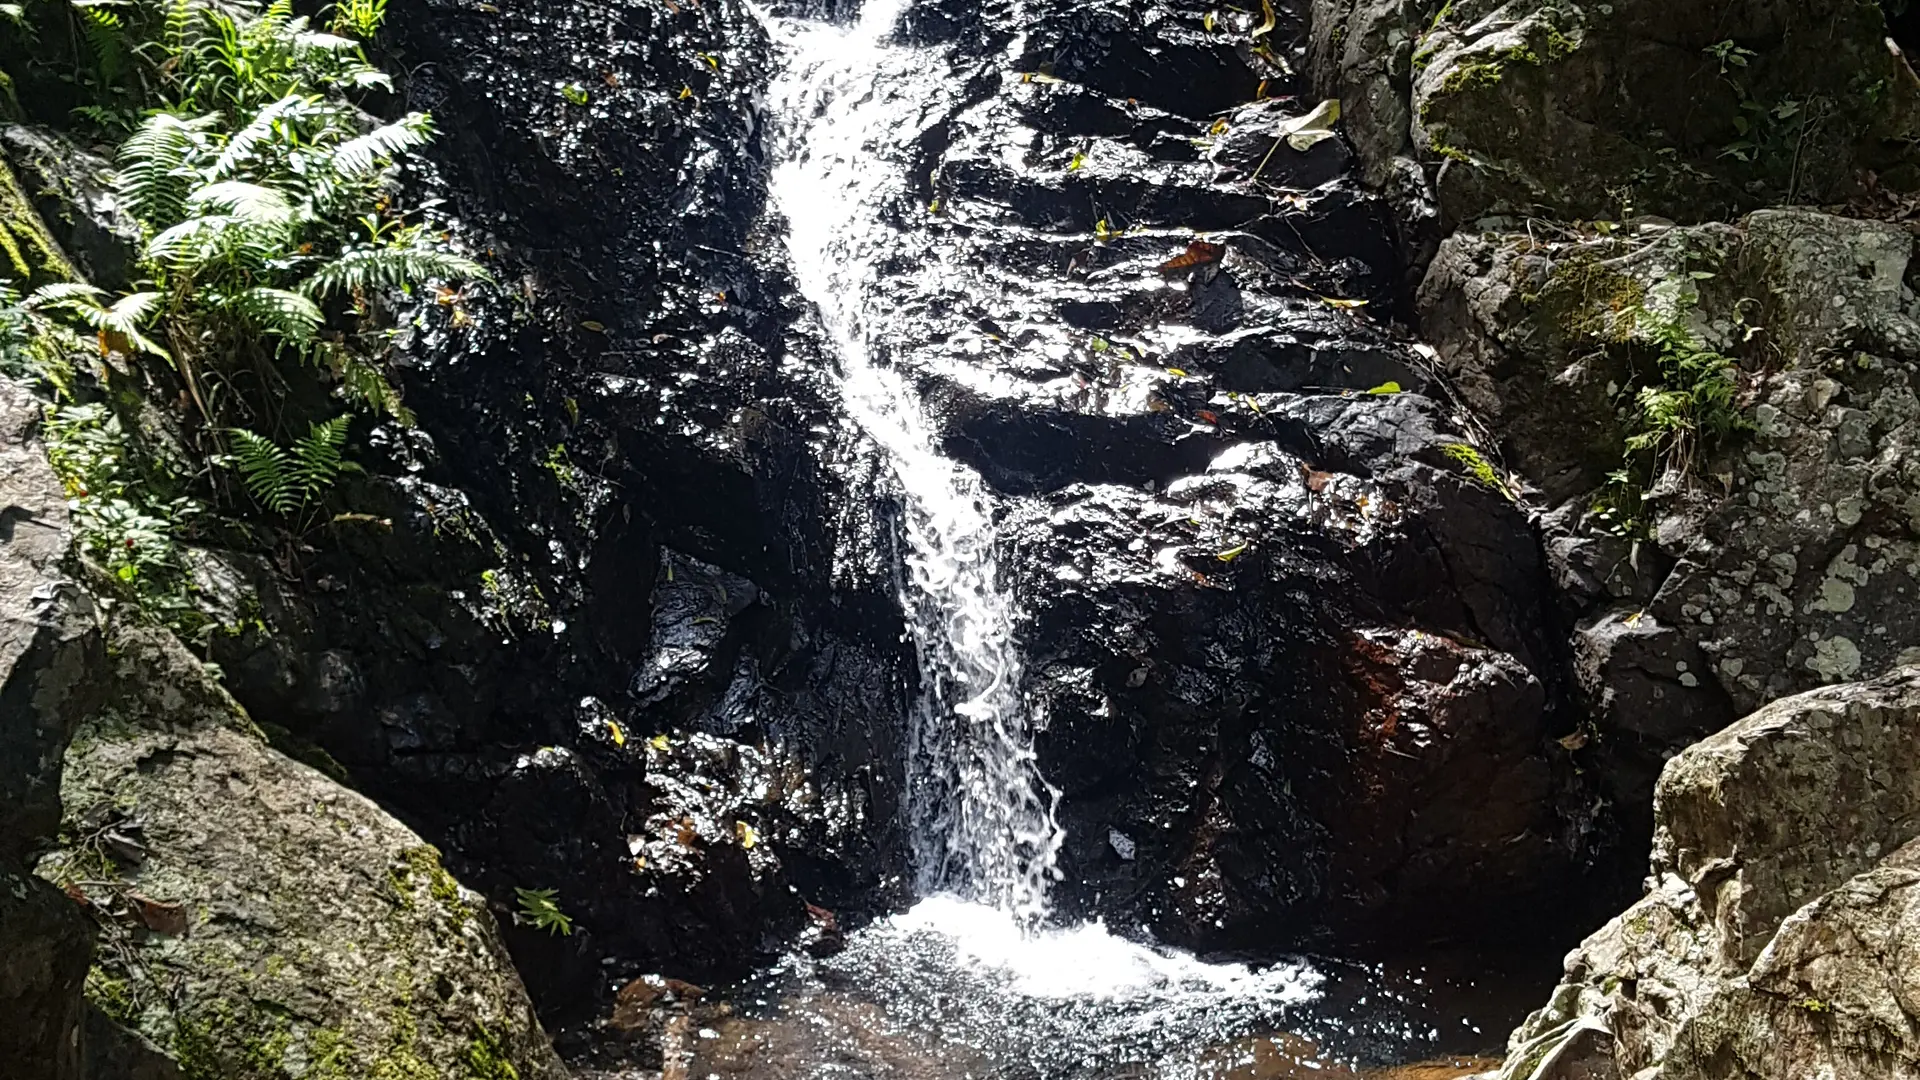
[(595, 327), (659, 742), (1574, 741), (1220, 127), (1208, 416), (1178, 373), (1232, 553), (1266, 27), (686, 832), (1209, 21), (1315, 480), (1198, 253), (746, 834), (1388, 387), (619, 737), (1336, 302), (158, 915)]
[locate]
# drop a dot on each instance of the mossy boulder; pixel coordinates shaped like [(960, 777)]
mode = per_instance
[(1779, 557), (1574, 109), (263, 922), (1783, 905), (1680, 108)]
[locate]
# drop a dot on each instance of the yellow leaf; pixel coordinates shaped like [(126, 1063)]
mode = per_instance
[(1209, 21), (658, 742), (1232, 553), (686, 92), (1266, 27), (1040, 77), (1634, 619), (1220, 126), (619, 737), (745, 833), (711, 62), (1178, 373), (1388, 387), (1335, 302)]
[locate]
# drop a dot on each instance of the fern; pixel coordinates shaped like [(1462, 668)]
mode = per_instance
[(286, 480), (118, 324), (284, 314), (364, 269), (541, 909), (363, 157), (155, 174)]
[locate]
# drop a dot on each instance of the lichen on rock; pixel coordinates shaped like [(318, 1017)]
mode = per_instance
[(265, 922)]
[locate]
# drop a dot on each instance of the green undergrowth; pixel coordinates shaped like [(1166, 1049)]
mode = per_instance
[(213, 400), (1679, 403)]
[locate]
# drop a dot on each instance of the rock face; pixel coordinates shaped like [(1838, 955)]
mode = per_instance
[(259, 919), (1783, 904), (1716, 577), (630, 569), (1569, 109), (48, 647), (1290, 635)]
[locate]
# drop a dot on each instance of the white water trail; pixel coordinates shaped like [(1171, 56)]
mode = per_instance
[(981, 816)]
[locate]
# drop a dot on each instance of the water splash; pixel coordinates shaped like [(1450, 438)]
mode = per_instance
[(981, 816)]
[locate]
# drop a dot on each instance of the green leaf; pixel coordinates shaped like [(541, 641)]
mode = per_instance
[(1388, 387), (1232, 553), (575, 93)]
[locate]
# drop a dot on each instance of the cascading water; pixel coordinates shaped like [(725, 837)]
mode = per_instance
[(976, 980), (981, 816)]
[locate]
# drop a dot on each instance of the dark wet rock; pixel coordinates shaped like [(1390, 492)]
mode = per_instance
[(49, 649), (70, 186), (1562, 108), (1782, 901), (631, 510), (1289, 649), (261, 917)]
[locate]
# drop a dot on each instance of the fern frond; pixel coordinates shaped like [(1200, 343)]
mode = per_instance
[(222, 239), (368, 268), (62, 294), (125, 316), (277, 311), (267, 471), (250, 203), (365, 385), (317, 460), (265, 126), (155, 173), (362, 157)]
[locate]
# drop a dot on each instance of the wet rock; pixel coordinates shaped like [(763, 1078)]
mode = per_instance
[(261, 915), (71, 187), (1781, 897)]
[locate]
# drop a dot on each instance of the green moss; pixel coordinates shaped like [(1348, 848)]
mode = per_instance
[(486, 1059), (113, 996), (1585, 299), (419, 867), (1477, 468), (1471, 76), (401, 1060), (32, 256)]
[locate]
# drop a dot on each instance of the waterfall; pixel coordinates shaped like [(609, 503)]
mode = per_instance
[(981, 816)]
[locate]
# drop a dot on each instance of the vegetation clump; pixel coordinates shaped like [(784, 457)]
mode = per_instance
[(273, 245)]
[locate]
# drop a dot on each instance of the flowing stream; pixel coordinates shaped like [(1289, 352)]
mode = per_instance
[(976, 980)]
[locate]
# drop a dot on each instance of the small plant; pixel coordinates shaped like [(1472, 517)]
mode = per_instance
[(287, 480), (1690, 409), (539, 909), (1477, 468)]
